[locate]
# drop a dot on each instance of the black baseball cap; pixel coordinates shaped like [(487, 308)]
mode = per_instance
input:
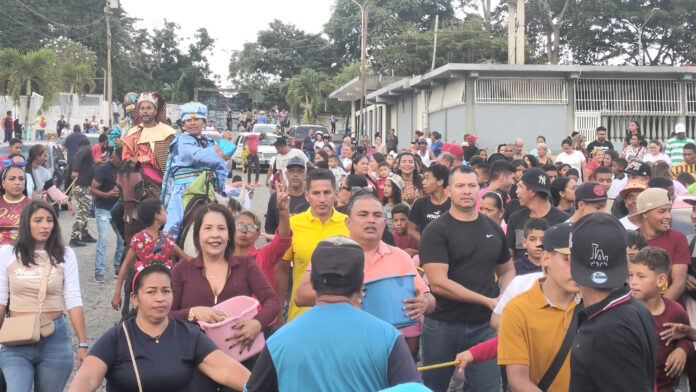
[(556, 238), (280, 142), (338, 261), (598, 252), (590, 191), (536, 180), (422, 141), (638, 168)]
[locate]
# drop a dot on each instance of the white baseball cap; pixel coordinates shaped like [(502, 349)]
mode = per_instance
[(680, 128)]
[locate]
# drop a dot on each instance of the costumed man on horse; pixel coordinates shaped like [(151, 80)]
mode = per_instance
[(190, 154)]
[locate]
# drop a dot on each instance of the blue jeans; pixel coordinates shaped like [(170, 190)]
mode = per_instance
[(441, 341), (40, 134), (104, 224), (46, 364)]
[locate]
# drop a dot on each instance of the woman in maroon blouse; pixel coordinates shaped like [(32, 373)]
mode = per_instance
[(217, 275)]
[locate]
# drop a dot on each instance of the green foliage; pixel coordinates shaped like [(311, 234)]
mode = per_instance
[(306, 92), (22, 74)]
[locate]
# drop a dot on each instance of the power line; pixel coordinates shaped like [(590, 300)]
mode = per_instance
[(34, 30), (98, 20)]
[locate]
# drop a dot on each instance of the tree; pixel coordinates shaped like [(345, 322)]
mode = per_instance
[(306, 92), (545, 19), (70, 52), (24, 73), (280, 52)]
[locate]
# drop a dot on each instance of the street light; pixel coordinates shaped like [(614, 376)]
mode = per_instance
[(639, 31), (363, 14)]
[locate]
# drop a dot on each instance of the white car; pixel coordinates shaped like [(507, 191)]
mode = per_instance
[(264, 128), (267, 151)]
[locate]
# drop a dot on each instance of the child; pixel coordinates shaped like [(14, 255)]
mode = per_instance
[(482, 172), (635, 242), (647, 275), (573, 173), (383, 172), (147, 245), (336, 169), (533, 233), (400, 222)]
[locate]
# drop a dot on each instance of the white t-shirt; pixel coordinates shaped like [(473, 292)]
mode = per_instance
[(575, 160), (617, 185), (518, 285), (281, 161), (649, 158), (627, 224)]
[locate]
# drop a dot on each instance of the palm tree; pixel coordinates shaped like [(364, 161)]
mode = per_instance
[(34, 71), (305, 93), (77, 78)]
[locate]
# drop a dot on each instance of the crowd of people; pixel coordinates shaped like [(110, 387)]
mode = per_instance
[(529, 271)]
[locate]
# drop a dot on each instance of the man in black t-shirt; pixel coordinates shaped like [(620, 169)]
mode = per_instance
[(601, 143), (106, 193), (295, 181), (533, 192), (82, 171), (465, 252), (430, 207)]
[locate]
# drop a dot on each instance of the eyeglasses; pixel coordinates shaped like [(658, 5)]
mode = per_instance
[(250, 227)]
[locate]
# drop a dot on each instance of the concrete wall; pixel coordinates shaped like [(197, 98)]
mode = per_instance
[(406, 119), (450, 123), (502, 123)]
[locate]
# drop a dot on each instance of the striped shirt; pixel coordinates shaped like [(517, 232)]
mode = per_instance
[(683, 167), (675, 148)]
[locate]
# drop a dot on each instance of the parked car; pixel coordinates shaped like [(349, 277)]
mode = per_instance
[(299, 132), (264, 128), (266, 151)]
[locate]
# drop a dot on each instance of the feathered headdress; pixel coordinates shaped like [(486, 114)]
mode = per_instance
[(156, 99)]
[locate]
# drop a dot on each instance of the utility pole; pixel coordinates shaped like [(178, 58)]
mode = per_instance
[(437, 20), (108, 92), (363, 13)]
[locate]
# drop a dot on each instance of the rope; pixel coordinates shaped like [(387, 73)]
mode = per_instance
[(439, 365)]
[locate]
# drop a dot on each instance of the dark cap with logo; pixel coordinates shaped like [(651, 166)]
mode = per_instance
[(338, 261), (638, 168), (556, 238), (296, 161), (590, 191), (536, 180), (598, 252)]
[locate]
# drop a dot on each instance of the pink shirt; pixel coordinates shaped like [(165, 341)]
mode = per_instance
[(390, 261), (270, 254)]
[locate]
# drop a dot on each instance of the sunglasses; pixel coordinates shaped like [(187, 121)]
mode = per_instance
[(250, 227)]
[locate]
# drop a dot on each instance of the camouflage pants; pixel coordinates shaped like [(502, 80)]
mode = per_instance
[(83, 199)]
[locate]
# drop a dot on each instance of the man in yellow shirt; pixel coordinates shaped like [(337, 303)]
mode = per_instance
[(534, 324), (688, 165), (320, 221)]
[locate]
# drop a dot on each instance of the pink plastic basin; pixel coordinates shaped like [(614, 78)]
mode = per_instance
[(238, 309)]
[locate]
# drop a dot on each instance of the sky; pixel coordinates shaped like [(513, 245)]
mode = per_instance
[(230, 22)]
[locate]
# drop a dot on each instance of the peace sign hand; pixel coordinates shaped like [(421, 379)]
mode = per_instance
[(282, 196)]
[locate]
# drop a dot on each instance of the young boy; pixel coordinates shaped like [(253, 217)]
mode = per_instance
[(146, 245), (400, 222), (336, 169), (383, 172), (620, 178), (482, 172), (647, 275), (533, 233)]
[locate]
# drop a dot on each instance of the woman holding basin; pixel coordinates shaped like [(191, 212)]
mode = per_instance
[(202, 283)]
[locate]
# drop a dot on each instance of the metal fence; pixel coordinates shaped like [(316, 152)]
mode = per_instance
[(521, 90), (626, 97)]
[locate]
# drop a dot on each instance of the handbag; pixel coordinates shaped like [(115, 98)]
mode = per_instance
[(20, 330), (130, 349)]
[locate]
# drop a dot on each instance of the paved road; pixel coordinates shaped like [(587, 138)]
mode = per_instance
[(96, 297)]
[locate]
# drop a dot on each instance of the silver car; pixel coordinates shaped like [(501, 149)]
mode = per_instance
[(267, 151)]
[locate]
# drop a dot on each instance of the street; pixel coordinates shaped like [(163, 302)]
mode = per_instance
[(96, 297)]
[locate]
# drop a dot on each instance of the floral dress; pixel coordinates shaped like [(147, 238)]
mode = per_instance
[(145, 245), (410, 193), (634, 154)]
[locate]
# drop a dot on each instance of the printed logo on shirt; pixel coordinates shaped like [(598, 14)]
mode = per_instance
[(598, 259), (489, 235)]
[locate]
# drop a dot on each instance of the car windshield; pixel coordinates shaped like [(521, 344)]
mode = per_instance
[(268, 141), (302, 131), (264, 128)]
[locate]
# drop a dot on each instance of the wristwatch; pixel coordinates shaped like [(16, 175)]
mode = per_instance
[(82, 345), (191, 317)]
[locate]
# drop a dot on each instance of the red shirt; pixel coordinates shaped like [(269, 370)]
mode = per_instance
[(380, 188), (191, 288), (675, 244), (253, 143), (144, 245), (9, 219), (405, 242), (270, 254), (96, 153), (673, 313)]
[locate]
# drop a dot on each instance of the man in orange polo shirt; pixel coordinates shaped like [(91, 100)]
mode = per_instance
[(366, 224), (534, 324)]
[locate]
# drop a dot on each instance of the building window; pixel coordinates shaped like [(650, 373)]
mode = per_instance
[(521, 90), (625, 97)]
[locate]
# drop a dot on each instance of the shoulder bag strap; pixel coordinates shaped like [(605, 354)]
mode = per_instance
[(130, 349), (43, 287), (562, 353)]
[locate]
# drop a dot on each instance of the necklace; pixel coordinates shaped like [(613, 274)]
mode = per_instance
[(157, 338)]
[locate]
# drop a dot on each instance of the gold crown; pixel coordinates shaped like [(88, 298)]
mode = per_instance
[(148, 97)]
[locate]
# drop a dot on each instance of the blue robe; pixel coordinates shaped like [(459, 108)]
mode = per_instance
[(186, 156)]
